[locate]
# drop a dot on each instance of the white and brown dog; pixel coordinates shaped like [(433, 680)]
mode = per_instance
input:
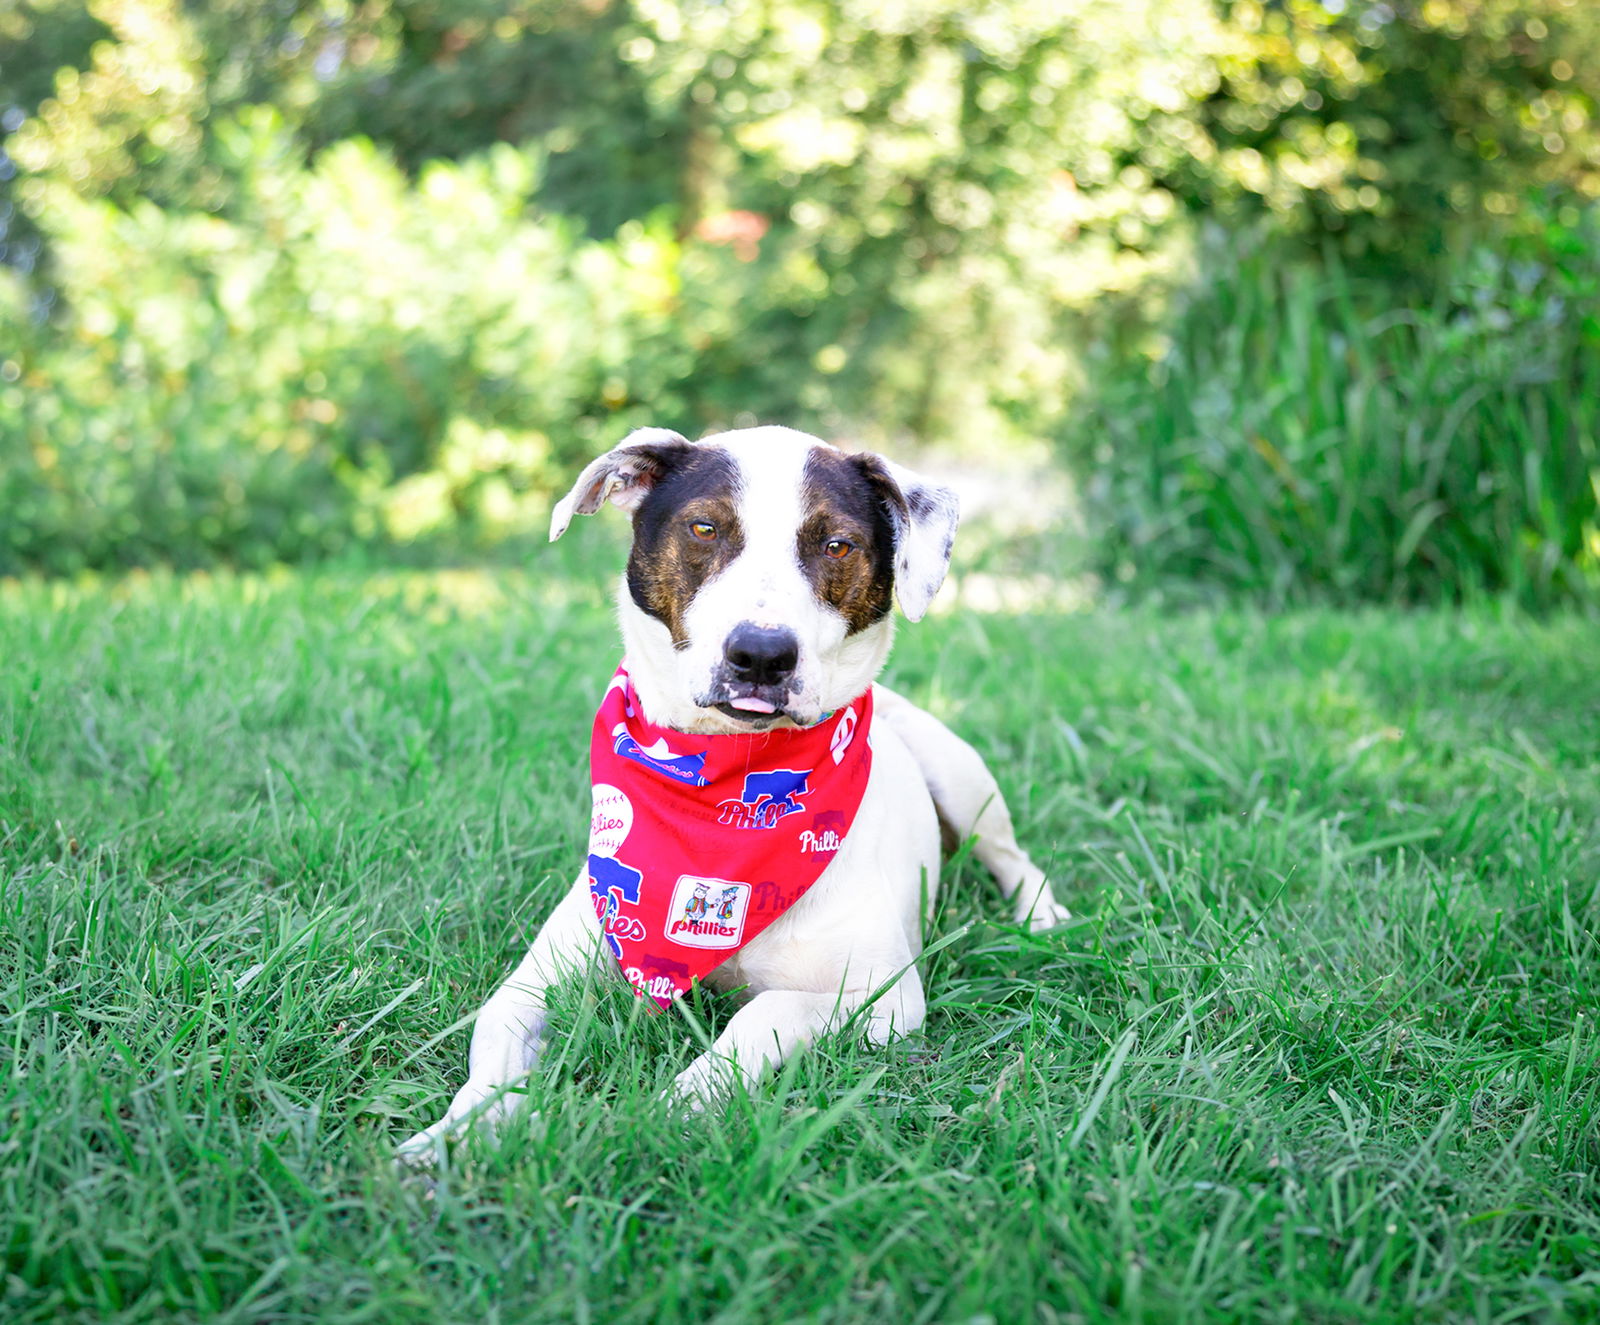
[(757, 596)]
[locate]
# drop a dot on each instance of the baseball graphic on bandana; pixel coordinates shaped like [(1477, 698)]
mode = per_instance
[(612, 820)]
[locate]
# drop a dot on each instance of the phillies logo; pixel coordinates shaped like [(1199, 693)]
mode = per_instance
[(611, 821), (826, 834), (658, 978), (824, 843), (611, 883), (707, 913), (843, 733), (767, 798), (661, 757)]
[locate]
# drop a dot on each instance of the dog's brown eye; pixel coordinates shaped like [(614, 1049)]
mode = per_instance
[(704, 530), (837, 548)]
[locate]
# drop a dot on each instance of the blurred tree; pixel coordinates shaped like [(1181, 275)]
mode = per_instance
[(37, 37), (445, 78), (1393, 124), (1383, 122), (906, 195), (130, 124)]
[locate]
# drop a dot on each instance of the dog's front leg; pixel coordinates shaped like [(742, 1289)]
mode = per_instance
[(508, 1037), (776, 1022), (969, 802)]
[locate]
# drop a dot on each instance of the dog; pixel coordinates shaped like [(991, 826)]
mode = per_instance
[(757, 599)]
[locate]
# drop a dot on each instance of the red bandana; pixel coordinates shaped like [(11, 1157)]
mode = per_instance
[(698, 843)]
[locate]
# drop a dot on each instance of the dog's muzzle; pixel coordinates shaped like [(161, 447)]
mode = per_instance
[(758, 665)]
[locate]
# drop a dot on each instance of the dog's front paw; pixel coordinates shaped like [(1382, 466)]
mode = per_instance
[(480, 1108), (425, 1149), (1043, 913), (703, 1083)]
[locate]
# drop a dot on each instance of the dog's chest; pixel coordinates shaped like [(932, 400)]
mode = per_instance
[(870, 900)]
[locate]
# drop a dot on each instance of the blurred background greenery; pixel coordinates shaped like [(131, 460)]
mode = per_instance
[(1306, 293)]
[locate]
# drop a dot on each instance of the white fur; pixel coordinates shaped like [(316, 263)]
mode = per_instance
[(859, 928)]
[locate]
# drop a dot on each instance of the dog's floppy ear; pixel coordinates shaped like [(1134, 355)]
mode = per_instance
[(924, 516), (624, 474)]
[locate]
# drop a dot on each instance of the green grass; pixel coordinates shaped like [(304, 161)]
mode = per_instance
[(1321, 1044)]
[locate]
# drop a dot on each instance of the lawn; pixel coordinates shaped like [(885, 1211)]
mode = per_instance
[(1320, 1044)]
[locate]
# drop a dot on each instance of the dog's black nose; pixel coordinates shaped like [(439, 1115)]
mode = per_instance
[(761, 655)]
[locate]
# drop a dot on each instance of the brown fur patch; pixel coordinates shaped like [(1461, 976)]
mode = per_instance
[(842, 501), (668, 564)]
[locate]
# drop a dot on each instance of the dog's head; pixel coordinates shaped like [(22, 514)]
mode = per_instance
[(764, 563)]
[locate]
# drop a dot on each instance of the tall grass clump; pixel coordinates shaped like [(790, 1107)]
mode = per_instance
[(1302, 432)]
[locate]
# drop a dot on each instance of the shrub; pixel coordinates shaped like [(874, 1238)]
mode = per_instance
[(1292, 434), (342, 354), (359, 358)]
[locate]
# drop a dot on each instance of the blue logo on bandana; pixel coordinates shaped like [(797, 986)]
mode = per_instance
[(660, 757), (780, 786), (612, 883), (767, 798)]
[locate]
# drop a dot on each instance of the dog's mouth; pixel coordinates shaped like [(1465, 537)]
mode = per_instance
[(755, 706), (755, 717)]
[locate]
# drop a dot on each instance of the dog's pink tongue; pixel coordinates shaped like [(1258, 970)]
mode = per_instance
[(750, 704)]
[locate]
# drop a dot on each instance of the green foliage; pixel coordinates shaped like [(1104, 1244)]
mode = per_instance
[(363, 357), (926, 196), (445, 78), (1293, 432), (256, 358), (318, 273), (1388, 127), (1320, 1044), (39, 37)]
